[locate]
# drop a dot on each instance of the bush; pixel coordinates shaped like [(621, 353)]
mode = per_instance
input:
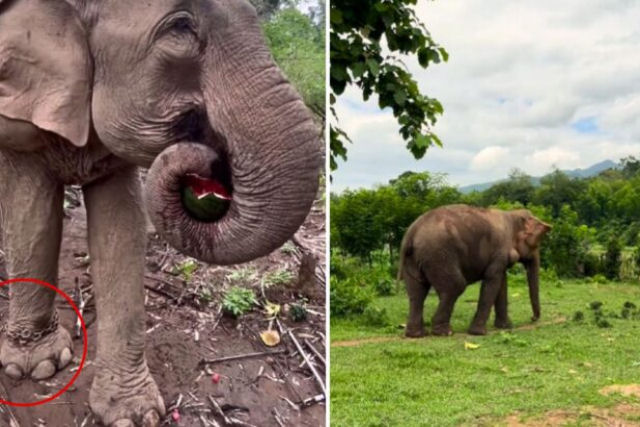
[(636, 260), (566, 247), (348, 297), (591, 264), (612, 259), (373, 316), (384, 287)]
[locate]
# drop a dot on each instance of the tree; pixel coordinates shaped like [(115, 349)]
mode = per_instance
[(358, 30), (266, 8), (518, 188), (356, 223), (558, 189), (297, 46), (630, 166)]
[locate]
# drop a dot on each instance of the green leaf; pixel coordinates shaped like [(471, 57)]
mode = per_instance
[(374, 66), (358, 69), (400, 97), (335, 16), (423, 57)]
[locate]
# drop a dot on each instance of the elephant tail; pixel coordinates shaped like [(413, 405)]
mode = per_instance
[(406, 250)]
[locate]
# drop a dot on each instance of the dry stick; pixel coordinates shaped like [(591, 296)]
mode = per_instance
[(276, 415), (316, 352), (304, 356), (80, 308), (228, 420), (13, 420), (159, 291), (241, 356)]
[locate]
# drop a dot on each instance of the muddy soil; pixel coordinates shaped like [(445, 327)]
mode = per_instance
[(186, 324)]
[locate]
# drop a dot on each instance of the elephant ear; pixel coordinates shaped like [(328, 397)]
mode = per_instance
[(45, 67), (534, 229)]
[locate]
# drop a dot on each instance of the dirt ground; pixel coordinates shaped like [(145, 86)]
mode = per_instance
[(186, 324)]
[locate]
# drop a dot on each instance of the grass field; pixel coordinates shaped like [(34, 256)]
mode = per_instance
[(379, 378)]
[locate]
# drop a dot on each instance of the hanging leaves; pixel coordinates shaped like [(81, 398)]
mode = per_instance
[(358, 29)]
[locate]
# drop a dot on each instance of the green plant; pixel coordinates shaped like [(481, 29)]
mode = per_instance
[(288, 249), (384, 287), (298, 312), (238, 301), (185, 269), (348, 297), (281, 276), (373, 316)]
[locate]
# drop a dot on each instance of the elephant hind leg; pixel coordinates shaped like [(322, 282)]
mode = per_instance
[(449, 285), (417, 290)]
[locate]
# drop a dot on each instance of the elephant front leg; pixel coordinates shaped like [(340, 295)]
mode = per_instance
[(502, 316), (489, 291), (31, 212), (123, 392)]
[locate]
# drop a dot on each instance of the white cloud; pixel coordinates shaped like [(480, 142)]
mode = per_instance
[(519, 78), (489, 158)]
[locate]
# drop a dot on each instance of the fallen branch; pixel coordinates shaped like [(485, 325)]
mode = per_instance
[(241, 356), (316, 352)]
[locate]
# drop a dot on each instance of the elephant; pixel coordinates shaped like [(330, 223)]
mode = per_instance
[(90, 92), (452, 246)]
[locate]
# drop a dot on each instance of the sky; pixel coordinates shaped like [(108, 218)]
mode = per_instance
[(529, 85)]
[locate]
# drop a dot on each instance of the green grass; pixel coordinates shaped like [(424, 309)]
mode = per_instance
[(560, 364)]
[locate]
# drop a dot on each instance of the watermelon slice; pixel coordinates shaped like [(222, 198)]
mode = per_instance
[(205, 199)]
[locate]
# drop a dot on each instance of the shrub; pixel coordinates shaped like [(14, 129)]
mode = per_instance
[(591, 264), (612, 259), (374, 316), (348, 297), (636, 260), (384, 287)]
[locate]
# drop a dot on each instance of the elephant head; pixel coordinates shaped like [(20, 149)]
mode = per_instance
[(187, 88), (528, 232)]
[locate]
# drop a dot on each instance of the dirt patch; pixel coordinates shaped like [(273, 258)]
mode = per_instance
[(184, 326), (381, 339), (622, 415), (623, 389), (373, 340)]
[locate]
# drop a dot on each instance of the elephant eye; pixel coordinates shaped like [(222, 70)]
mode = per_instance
[(178, 24), (182, 25), (179, 34)]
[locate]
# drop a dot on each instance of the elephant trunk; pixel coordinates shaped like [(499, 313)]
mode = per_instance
[(263, 157), (533, 273)]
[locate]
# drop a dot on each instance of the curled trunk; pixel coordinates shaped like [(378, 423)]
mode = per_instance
[(264, 149)]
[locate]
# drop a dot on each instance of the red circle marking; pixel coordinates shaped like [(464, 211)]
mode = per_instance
[(84, 348)]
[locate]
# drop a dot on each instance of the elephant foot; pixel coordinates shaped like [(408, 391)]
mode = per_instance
[(125, 397), (414, 332), (503, 324), (22, 355), (477, 330), (442, 330)]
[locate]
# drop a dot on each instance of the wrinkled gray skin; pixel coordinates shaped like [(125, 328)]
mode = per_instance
[(453, 246), (89, 91)]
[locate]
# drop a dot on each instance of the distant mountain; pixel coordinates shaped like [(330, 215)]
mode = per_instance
[(592, 170)]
